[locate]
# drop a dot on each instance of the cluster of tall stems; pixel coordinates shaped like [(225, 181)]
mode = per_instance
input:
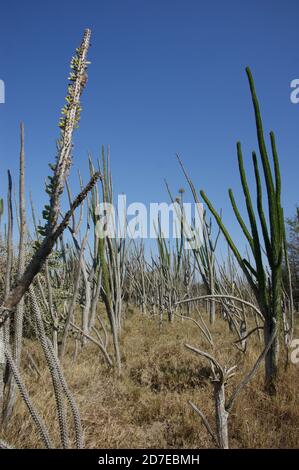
[(12, 308), (71, 281)]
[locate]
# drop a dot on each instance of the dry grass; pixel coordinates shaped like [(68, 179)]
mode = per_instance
[(148, 407)]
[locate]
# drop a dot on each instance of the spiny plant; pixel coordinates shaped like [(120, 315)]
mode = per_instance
[(267, 290), (203, 245), (69, 120), (53, 228), (52, 232)]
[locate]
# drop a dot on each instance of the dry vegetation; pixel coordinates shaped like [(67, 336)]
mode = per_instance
[(105, 346), (148, 407)]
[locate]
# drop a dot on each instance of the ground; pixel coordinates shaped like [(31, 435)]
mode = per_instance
[(148, 406)]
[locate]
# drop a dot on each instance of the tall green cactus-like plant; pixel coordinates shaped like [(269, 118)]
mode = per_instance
[(268, 292)]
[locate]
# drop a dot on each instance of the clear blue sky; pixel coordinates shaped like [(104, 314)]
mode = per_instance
[(166, 77)]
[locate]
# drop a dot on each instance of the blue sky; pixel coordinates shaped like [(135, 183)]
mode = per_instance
[(166, 77)]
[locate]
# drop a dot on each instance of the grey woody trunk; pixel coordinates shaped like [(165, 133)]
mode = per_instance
[(221, 415)]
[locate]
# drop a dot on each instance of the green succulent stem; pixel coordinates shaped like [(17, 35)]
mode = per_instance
[(268, 292)]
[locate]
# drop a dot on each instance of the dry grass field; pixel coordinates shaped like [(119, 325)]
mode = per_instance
[(148, 406)]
